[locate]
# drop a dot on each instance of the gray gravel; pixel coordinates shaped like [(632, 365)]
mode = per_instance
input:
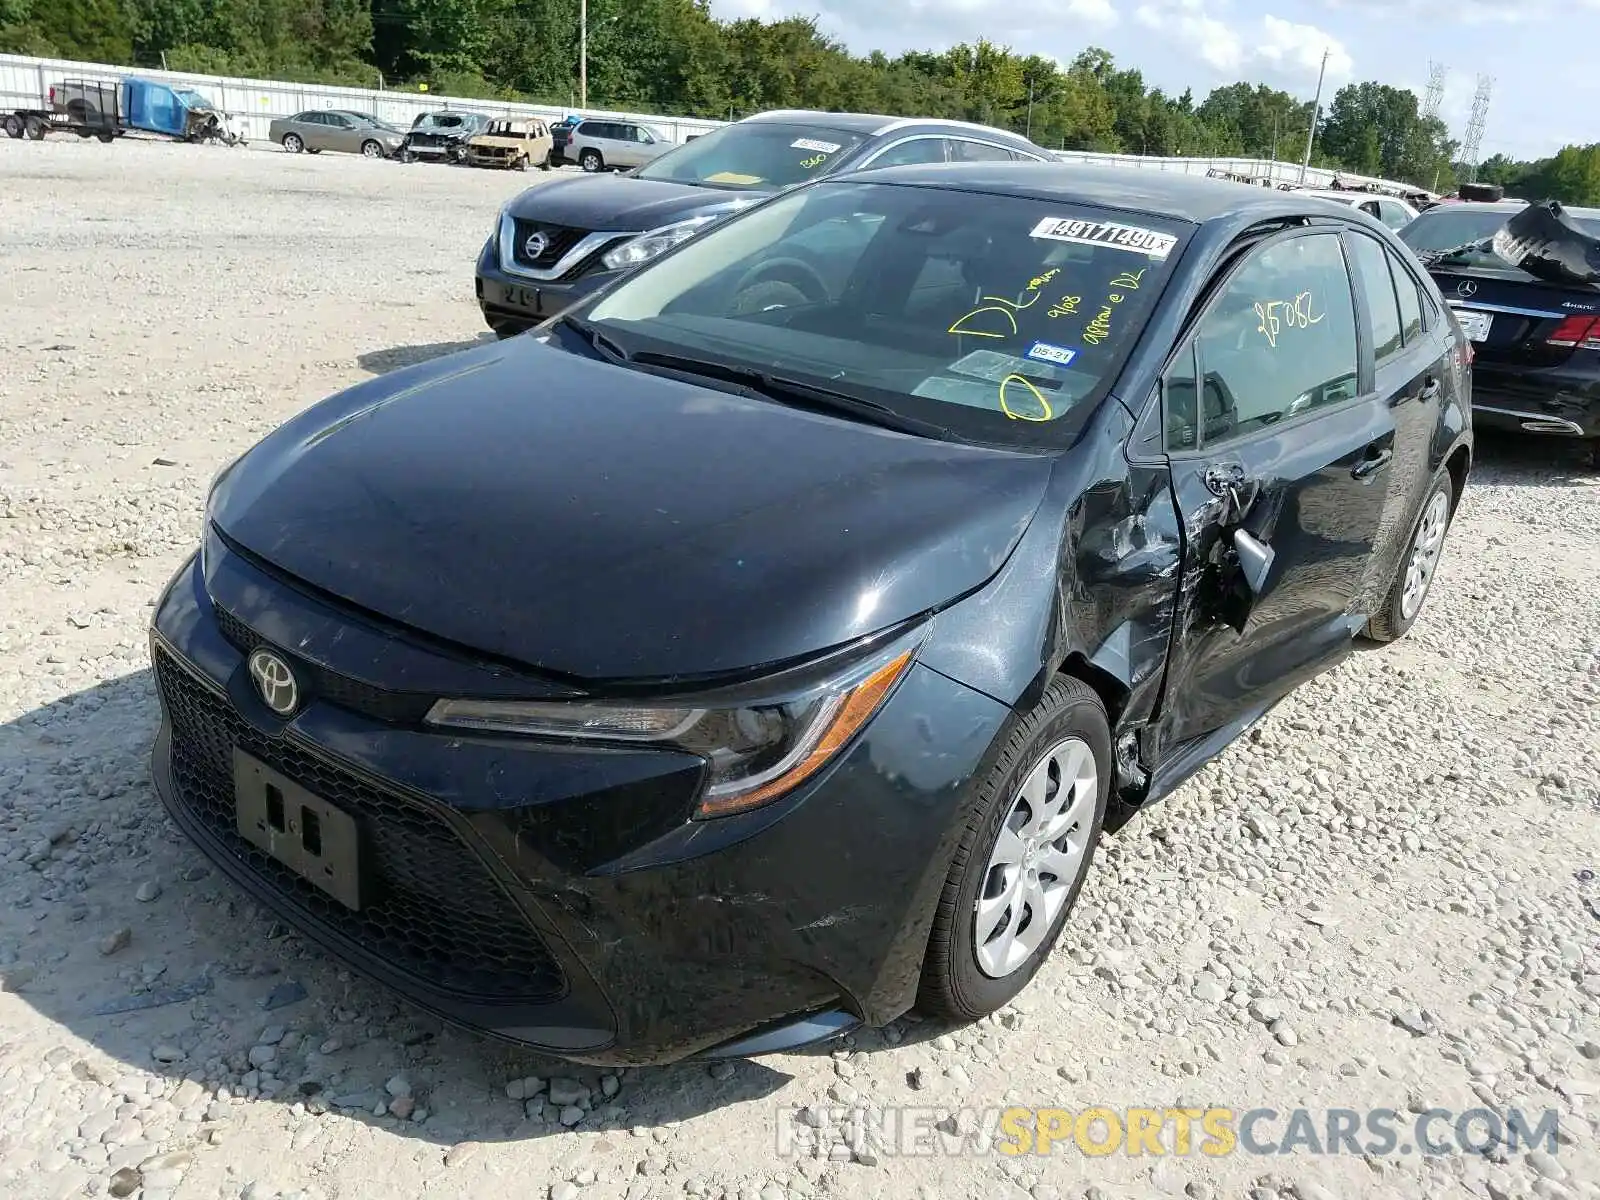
[(1384, 896)]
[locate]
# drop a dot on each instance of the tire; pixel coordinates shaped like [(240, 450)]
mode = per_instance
[(522, 163), (13, 125), (1407, 594), (33, 129), (591, 161), (965, 977), (406, 156), (371, 149), (85, 134), (292, 143), (106, 136), (313, 149)]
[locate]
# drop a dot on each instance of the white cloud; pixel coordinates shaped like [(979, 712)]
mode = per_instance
[(1288, 52), (1098, 14)]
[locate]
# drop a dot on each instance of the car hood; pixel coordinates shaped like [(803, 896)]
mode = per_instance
[(621, 202), (600, 523)]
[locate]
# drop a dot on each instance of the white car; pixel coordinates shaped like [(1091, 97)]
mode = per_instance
[(604, 145), (1394, 213)]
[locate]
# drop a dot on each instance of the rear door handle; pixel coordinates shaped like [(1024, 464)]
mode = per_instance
[(1375, 461)]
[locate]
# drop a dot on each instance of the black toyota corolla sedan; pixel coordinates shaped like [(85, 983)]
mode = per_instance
[(755, 649)]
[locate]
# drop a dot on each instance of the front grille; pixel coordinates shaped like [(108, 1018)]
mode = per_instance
[(396, 708), (429, 907), (559, 239)]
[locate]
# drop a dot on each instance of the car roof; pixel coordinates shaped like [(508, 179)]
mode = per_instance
[(1172, 194), (872, 124), (1350, 195)]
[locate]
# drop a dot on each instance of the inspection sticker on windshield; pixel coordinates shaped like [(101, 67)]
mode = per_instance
[(1106, 233), (1045, 352), (811, 144)]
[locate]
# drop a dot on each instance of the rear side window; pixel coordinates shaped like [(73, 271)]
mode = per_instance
[(1280, 339), (962, 150), (1372, 271), (1410, 297)]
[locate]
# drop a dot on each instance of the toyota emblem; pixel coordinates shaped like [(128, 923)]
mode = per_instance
[(274, 682), (1466, 288), (536, 245)]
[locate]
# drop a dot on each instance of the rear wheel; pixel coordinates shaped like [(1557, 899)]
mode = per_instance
[(33, 129), (12, 125), (371, 149), (1023, 856), (1414, 579), (591, 161), (292, 143)]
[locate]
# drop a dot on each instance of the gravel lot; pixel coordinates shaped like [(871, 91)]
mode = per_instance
[(1384, 897)]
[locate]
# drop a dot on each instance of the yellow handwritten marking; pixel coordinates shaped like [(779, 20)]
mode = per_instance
[(1008, 307), (1273, 315), (956, 328), (815, 161), (1129, 280), (1037, 395), (1064, 307), (1097, 330)]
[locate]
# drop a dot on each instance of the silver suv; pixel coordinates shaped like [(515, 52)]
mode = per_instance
[(601, 145)]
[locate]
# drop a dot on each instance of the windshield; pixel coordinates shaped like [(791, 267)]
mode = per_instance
[(1457, 224), (758, 154), (998, 318), (192, 99)]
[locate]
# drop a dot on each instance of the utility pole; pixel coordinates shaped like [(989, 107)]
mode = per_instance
[(583, 54), (1029, 134), (1316, 110)]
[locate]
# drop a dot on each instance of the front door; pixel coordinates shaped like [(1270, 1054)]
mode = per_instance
[(1272, 428)]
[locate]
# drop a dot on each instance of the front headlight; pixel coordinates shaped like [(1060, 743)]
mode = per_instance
[(759, 741), (653, 243)]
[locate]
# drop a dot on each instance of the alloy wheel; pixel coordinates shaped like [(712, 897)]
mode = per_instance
[(1037, 858), (1425, 554)]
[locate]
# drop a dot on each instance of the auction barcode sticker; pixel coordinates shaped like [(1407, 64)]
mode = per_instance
[(1106, 233), (813, 144)]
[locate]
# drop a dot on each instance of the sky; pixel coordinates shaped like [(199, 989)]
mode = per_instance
[(1543, 95)]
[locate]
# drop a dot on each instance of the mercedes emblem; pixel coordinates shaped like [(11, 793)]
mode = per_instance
[(274, 682), (536, 245), (1466, 288)]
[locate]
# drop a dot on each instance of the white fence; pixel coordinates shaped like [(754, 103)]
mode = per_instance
[(253, 103)]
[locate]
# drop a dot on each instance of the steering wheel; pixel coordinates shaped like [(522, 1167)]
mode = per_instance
[(780, 283)]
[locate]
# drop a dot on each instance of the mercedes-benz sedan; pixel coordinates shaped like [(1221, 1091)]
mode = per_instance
[(757, 648)]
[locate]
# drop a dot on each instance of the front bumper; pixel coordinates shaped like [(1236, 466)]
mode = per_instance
[(517, 302), (559, 896), (1559, 401)]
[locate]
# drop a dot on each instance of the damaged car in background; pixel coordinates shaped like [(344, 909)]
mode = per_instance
[(1524, 282), (440, 136), (731, 661)]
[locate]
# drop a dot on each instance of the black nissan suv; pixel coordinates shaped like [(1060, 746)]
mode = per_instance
[(559, 241)]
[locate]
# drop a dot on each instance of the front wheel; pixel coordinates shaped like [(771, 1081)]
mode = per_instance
[(1412, 581), (292, 143), (33, 129), (1022, 858), (371, 149), (591, 161)]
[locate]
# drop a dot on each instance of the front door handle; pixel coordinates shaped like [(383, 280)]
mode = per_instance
[(1372, 464), (1431, 388)]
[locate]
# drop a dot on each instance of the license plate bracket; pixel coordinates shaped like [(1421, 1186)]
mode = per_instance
[(316, 840), (1475, 324)]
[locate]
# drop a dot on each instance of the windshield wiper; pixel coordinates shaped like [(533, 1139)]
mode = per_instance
[(793, 392), (589, 333)]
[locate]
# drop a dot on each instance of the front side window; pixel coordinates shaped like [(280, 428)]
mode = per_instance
[(998, 318), (1279, 340), (911, 153), (759, 154)]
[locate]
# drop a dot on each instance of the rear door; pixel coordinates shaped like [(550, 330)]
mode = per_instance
[(1410, 361), (1273, 428)]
